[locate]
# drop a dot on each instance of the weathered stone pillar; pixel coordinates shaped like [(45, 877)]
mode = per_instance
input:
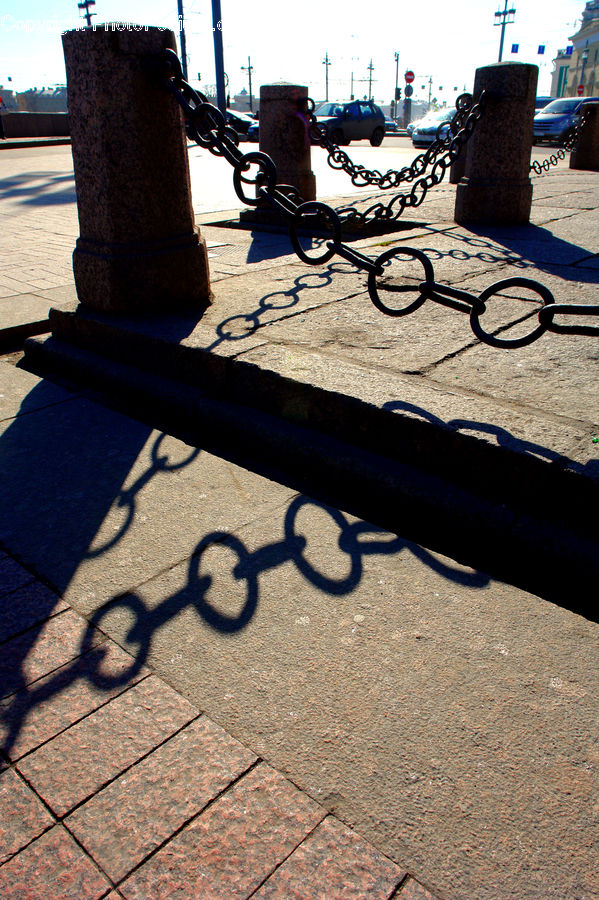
[(496, 188), (138, 248), (284, 135), (457, 170), (586, 154)]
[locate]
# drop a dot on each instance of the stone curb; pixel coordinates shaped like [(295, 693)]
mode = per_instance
[(512, 515)]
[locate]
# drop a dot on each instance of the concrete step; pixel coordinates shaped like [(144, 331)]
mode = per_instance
[(510, 514)]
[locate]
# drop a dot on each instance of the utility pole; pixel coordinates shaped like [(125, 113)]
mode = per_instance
[(182, 40), (396, 84), (504, 17), (249, 68), (370, 71), (219, 64), (326, 62), (86, 5), (351, 91)]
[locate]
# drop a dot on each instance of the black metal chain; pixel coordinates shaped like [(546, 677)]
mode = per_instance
[(446, 148), (207, 126), (539, 167)]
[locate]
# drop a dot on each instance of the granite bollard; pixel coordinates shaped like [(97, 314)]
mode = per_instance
[(139, 248), (496, 188), (285, 137), (585, 154)]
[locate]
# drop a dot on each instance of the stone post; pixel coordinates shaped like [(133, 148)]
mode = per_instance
[(586, 154), (138, 249), (496, 189), (284, 135)]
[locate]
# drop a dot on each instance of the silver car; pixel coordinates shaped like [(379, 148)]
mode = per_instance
[(426, 130)]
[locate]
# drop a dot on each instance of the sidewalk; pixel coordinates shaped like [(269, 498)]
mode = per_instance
[(217, 685)]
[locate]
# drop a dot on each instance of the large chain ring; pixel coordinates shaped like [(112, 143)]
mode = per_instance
[(312, 207), (269, 171), (493, 340), (373, 290)]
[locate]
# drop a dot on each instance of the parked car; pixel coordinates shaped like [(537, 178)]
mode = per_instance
[(391, 126), (239, 121), (541, 102), (556, 121), (253, 132), (412, 125), (425, 131), (353, 120)]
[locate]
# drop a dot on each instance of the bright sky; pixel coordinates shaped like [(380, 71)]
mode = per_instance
[(437, 39)]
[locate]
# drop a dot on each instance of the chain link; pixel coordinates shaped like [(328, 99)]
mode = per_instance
[(207, 126), (445, 149), (539, 167)]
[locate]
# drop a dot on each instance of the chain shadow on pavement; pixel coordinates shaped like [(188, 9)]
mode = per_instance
[(243, 325), (532, 246), (64, 464), (355, 541), (503, 437)]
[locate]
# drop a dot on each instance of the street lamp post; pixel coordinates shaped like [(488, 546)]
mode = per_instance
[(504, 17), (86, 5), (584, 57), (219, 63), (249, 68), (326, 62), (182, 39), (396, 84)]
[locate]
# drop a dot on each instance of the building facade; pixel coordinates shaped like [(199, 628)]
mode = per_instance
[(576, 69)]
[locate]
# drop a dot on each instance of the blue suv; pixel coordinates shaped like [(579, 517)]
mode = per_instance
[(556, 121)]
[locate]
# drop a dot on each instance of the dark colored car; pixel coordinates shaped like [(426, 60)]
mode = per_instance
[(391, 126), (239, 121), (253, 132), (556, 121), (353, 120)]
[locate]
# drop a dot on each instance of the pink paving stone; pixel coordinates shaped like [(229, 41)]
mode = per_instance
[(132, 816), (80, 761), (231, 847), (12, 575), (52, 867), (57, 701), (333, 863), (27, 606), (41, 650), (22, 816), (413, 890)]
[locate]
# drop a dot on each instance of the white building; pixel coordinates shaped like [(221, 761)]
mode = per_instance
[(576, 70)]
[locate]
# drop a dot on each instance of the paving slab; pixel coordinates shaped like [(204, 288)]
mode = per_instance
[(54, 859), (75, 764), (233, 846), (22, 816), (124, 823)]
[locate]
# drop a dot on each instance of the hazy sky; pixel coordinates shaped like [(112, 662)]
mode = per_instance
[(437, 39)]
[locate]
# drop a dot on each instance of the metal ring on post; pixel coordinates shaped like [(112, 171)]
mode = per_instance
[(312, 207), (242, 165), (511, 343), (429, 278), (208, 123)]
